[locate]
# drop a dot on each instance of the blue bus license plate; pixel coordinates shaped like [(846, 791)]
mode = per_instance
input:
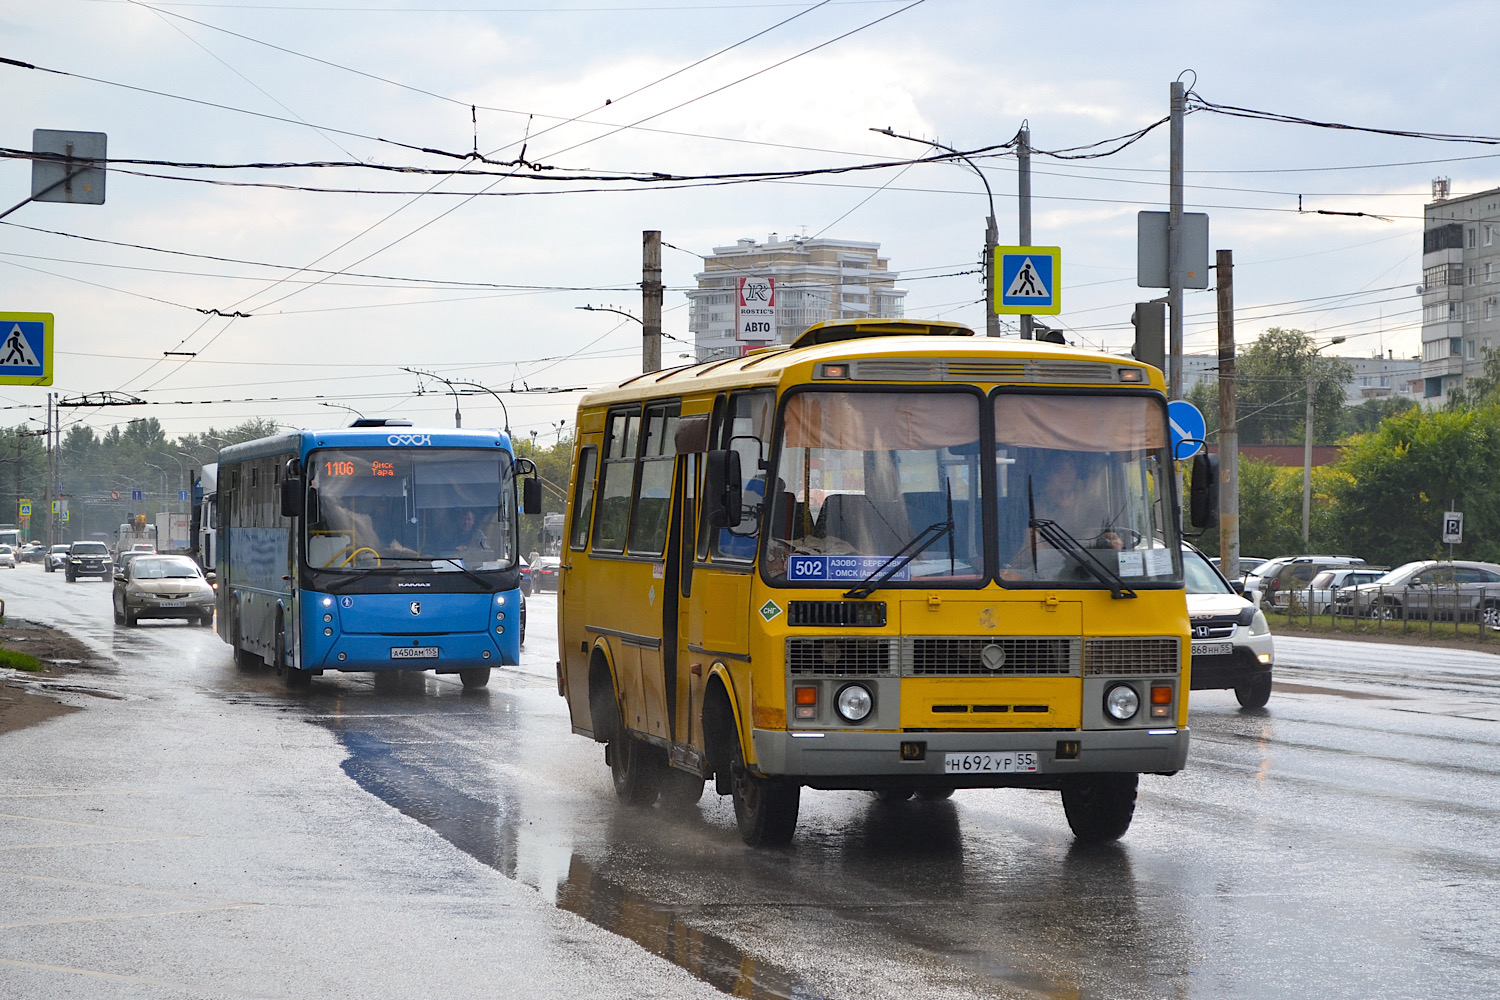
[(414, 652)]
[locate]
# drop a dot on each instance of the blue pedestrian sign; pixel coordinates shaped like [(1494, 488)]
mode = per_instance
[(1187, 427), (1028, 280), (135, 495), (25, 348)]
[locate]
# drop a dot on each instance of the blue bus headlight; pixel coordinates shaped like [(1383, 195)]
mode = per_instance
[(1121, 702)]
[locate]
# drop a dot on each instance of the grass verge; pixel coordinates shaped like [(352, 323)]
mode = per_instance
[(21, 661)]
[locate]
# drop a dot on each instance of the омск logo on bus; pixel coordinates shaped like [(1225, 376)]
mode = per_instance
[(396, 440)]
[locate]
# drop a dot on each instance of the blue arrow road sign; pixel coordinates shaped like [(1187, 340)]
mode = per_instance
[(135, 494), (1187, 427), (182, 494)]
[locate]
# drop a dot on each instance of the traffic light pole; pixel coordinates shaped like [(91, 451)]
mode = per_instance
[(1174, 243)]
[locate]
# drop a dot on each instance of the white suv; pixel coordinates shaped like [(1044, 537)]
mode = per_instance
[(1232, 645)]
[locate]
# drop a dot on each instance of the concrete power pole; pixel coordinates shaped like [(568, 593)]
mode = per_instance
[(1023, 211), (1229, 435), (651, 296), (1174, 244)]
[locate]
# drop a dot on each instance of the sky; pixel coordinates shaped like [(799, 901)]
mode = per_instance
[(480, 279)]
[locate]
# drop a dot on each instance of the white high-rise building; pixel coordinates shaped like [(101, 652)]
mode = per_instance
[(816, 280)]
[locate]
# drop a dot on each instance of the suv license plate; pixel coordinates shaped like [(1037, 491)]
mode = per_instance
[(989, 763), (414, 652), (1213, 648)]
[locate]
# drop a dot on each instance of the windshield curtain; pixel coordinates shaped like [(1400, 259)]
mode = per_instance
[(862, 476), (1097, 469), (425, 509)]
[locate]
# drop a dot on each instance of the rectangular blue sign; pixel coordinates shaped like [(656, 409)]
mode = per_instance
[(838, 569)]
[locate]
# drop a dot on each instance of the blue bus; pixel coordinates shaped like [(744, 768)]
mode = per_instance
[(377, 546)]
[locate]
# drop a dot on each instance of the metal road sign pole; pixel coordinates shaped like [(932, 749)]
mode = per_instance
[(1174, 244), (1023, 213)]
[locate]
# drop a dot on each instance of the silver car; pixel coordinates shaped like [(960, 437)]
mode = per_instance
[(1431, 588), (1317, 597), (152, 586)]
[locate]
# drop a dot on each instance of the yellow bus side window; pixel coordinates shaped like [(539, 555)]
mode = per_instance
[(583, 498)]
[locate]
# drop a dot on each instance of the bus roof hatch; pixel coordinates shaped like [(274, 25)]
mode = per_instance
[(857, 329)]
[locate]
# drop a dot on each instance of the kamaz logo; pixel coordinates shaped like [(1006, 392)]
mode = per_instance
[(397, 440), (416, 607)]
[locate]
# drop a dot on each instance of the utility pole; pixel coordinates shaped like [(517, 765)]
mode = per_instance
[(1229, 434), (651, 295), (1174, 243), (1023, 213)]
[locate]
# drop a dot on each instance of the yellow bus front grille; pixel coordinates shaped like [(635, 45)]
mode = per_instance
[(1132, 656)]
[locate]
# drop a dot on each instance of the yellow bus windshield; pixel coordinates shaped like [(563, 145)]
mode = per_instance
[(870, 482)]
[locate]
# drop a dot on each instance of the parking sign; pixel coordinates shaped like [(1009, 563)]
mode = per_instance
[(1453, 527)]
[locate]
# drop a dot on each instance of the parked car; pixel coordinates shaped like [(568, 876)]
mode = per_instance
[(57, 557), (152, 586), (88, 559), (1232, 644), (32, 552), (544, 573), (7, 556), (1430, 588), (1317, 597), (1290, 571), (1248, 565)]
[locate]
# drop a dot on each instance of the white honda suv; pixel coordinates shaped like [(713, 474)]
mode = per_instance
[(1232, 644)]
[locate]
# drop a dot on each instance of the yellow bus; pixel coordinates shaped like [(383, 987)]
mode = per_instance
[(890, 556)]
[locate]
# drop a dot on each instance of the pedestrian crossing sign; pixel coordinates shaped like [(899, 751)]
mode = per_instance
[(1028, 280), (25, 348)]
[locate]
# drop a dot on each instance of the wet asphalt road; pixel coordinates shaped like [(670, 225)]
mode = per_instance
[(1342, 842)]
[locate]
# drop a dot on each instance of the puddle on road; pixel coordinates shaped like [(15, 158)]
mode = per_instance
[(488, 833)]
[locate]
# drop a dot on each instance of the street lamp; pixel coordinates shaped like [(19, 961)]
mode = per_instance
[(1312, 367), (991, 232)]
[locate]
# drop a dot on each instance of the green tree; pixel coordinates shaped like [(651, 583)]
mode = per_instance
[(1271, 391), (1367, 416), (1398, 480)]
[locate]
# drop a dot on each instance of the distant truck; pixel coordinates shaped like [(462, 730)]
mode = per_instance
[(174, 532), (134, 533), (10, 535)]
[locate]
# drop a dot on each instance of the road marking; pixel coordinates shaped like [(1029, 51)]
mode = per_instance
[(90, 826), (127, 915), (215, 990), (97, 843), (110, 885)]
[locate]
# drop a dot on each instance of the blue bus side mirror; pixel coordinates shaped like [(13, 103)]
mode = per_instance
[(531, 495), (291, 498)]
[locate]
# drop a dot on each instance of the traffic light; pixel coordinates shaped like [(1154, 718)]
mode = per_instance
[(1150, 322)]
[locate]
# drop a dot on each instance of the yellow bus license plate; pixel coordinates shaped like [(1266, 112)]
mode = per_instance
[(990, 763)]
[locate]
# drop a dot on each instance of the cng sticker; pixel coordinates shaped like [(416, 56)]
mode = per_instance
[(770, 610)]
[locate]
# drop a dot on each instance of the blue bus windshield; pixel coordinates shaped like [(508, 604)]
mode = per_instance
[(422, 509)]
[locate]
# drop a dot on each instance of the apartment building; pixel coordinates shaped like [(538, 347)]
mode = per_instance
[(816, 280)]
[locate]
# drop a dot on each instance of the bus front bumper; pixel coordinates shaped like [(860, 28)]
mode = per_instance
[(855, 759)]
